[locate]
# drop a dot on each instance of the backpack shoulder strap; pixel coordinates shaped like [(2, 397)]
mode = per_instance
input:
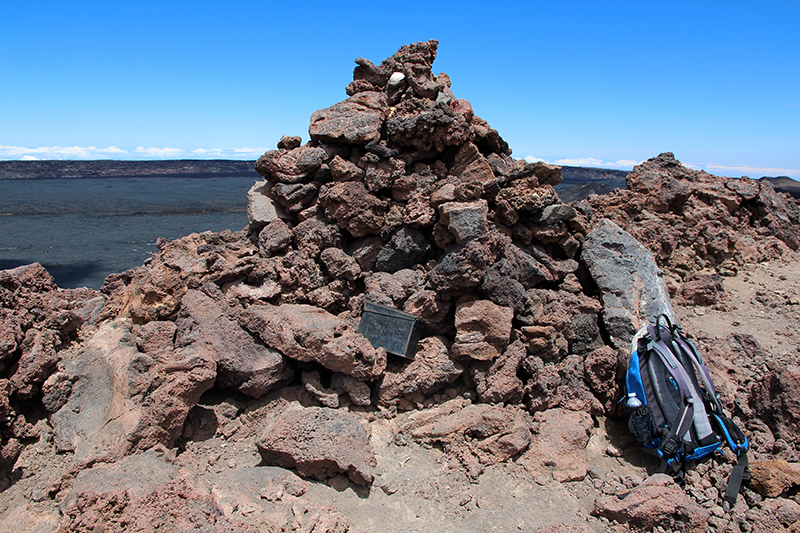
[(688, 348), (671, 443)]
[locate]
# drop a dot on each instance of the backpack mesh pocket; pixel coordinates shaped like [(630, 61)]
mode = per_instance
[(640, 423)]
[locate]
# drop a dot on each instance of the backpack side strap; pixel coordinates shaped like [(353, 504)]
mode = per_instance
[(740, 474), (739, 444)]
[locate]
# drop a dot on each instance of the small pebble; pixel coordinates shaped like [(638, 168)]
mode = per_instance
[(389, 488)]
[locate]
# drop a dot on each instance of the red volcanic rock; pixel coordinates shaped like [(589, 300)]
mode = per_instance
[(524, 266), (483, 329), (503, 290), (356, 120), (296, 197), (423, 126), (466, 220), (773, 478), (775, 399), (343, 170), (306, 333), (778, 514), (393, 289), (600, 371), (406, 248), (560, 322), (339, 264), (560, 384), (556, 451), (312, 236), (495, 433), (142, 493), (120, 399), (525, 195), (431, 369), (292, 166), (497, 381), (470, 166), (702, 290), (37, 320), (656, 502), (353, 208), (692, 220), (242, 364), (461, 269), (153, 291), (274, 238), (318, 443), (37, 362)]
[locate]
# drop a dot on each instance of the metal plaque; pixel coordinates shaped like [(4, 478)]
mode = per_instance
[(396, 331)]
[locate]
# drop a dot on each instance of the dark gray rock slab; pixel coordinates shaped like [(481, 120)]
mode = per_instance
[(630, 283), (407, 247)]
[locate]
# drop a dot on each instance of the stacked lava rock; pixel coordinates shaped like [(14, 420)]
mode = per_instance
[(692, 220), (406, 198)]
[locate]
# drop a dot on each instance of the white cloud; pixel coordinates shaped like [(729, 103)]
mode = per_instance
[(113, 152), (228, 153), (746, 170), (60, 152), (581, 162), (624, 164), (159, 153), (531, 159)]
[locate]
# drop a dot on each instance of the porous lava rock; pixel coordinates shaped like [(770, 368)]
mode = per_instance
[(657, 502), (773, 478), (138, 493), (242, 364), (775, 399), (306, 333), (432, 368), (120, 399), (477, 434), (39, 323), (319, 443), (556, 450), (692, 220)]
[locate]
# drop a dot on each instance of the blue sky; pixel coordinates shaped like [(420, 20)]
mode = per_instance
[(586, 83)]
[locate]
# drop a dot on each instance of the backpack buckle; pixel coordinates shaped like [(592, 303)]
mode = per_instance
[(670, 446)]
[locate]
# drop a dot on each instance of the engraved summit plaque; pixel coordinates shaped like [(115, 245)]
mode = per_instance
[(396, 331)]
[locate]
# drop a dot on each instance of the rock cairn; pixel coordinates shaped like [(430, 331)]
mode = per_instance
[(404, 197)]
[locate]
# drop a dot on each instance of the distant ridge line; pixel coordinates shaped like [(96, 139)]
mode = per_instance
[(107, 168), (110, 168)]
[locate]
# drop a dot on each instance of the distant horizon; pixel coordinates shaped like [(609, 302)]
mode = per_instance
[(578, 162), (576, 83), (586, 164)]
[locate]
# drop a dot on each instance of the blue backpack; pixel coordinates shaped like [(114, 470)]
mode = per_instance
[(674, 408)]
